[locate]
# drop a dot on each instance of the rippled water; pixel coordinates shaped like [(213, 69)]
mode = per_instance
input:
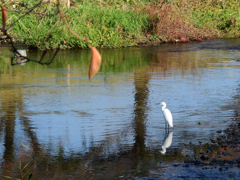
[(55, 109)]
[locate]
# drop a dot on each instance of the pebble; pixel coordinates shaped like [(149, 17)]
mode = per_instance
[(176, 164), (209, 147), (204, 157), (219, 152), (213, 140), (214, 159), (225, 154)]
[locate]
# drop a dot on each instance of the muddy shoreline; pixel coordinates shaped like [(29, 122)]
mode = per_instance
[(220, 158)]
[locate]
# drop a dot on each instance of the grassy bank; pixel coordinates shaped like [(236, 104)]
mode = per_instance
[(121, 23)]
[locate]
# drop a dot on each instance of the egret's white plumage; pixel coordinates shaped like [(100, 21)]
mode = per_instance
[(167, 114)]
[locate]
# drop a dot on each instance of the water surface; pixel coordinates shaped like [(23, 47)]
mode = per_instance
[(116, 118)]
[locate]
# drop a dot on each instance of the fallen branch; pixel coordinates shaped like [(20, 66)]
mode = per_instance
[(17, 55)]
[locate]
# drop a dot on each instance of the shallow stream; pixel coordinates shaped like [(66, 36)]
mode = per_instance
[(112, 126)]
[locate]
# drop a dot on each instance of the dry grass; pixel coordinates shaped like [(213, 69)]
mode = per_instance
[(172, 24)]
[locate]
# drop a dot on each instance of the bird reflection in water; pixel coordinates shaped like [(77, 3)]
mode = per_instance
[(21, 60), (167, 142)]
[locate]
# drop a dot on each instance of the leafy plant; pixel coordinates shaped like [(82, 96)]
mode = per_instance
[(26, 169)]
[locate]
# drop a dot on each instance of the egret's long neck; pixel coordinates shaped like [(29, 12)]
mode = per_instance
[(163, 107)]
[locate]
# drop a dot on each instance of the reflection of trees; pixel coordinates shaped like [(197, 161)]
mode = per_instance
[(89, 164), (141, 96), (8, 121), (98, 162), (30, 134), (12, 103), (184, 63)]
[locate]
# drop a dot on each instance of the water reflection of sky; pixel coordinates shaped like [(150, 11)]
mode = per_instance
[(63, 111), (78, 116)]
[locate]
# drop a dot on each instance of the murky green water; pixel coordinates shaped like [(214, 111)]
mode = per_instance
[(112, 126)]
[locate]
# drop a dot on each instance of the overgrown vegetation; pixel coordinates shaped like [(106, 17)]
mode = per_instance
[(221, 16), (119, 23)]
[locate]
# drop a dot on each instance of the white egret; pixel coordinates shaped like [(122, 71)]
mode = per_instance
[(167, 142), (167, 115)]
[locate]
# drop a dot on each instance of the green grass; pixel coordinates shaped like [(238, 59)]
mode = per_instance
[(105, 27), (121, 23), (217, 15)]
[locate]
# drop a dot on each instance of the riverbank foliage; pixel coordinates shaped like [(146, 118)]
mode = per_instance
[(121, 23)]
